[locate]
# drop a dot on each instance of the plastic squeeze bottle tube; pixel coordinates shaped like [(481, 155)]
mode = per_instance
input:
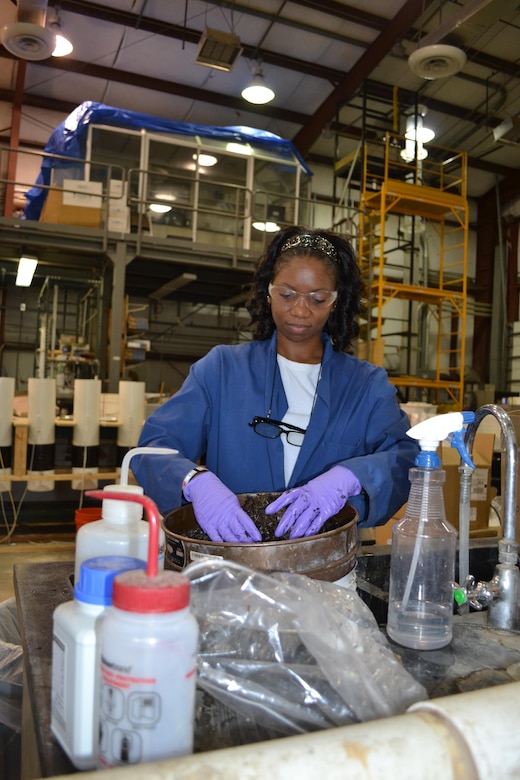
[(75, 657), (121, 530), (149, 643), (422, 567)]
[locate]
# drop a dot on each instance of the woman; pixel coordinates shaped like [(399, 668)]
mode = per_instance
[(289, 411)]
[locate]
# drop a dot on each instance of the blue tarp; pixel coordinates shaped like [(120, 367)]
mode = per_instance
[(70, 138)]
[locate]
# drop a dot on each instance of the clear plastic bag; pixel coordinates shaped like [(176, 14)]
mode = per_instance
[(11, 667), (293, 653)]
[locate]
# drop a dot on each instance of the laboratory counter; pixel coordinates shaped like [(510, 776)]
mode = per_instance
[(476, 658), (39, 589)]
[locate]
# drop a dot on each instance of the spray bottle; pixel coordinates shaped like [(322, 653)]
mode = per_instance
[(121, 530), (422, 568)]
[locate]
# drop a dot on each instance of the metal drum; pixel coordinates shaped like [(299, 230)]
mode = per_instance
[(325, 556)]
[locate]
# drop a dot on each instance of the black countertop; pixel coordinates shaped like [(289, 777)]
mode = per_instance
[(477, 657), (39, 589)]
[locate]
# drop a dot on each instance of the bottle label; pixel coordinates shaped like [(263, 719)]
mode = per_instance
[(141, 717)]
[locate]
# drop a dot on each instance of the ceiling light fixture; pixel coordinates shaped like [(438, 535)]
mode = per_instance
[(205, 160), (26, 268), (160, 208), (258, 92), (266, 227), (63, 45), (416, 136), (236, 148), (274, 215)]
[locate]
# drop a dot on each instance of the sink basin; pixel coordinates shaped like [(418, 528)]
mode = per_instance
[(373, 572), (477, 657)]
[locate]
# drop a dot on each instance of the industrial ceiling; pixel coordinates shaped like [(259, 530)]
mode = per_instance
[(339, 70)]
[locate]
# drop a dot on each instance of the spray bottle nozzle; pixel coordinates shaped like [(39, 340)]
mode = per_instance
[(457, 441), (433, 430)]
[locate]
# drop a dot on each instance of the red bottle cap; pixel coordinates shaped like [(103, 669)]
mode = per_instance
[(135, 591)]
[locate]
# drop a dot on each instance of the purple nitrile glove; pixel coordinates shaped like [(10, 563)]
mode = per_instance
[(218, 511), (311, 505)]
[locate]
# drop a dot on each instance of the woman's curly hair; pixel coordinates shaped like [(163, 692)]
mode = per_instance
[(342, 324)]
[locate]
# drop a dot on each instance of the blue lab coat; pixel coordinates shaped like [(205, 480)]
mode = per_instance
[(356, 422)]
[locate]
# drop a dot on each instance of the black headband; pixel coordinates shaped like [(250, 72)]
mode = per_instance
[(317, 243)]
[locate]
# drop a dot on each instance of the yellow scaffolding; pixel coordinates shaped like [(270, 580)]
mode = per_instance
[(431, 194)]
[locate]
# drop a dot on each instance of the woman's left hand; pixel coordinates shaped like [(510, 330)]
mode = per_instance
[(311, 505)]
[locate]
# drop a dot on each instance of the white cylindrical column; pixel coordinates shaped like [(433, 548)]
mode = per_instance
[(132, 402), (6, 428), (85, 435), (41, 437)]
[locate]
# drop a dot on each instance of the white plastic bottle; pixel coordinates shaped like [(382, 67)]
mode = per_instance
[(75, 657), (149, 642), (121, 531)]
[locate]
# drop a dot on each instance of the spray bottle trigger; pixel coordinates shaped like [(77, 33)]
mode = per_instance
[(457, 441)]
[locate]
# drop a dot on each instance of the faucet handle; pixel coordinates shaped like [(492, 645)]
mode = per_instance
[(476, 594)]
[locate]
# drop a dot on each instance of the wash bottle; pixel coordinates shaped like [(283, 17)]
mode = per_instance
[(148, 662), (422, 568), (121, 530), (75, 651)]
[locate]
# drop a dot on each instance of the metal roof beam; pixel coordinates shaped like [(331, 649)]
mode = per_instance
[(383, 44), (338, 10)]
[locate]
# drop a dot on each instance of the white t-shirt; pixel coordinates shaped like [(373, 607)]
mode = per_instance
[(299, 382)]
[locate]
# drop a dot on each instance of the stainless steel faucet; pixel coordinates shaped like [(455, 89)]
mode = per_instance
[(503, 590)]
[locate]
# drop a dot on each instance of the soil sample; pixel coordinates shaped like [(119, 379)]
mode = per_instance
[(254, 505)]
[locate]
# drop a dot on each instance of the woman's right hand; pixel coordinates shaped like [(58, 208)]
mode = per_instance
[(218, 511)]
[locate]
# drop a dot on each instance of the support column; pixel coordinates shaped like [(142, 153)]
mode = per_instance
[(119, 262)]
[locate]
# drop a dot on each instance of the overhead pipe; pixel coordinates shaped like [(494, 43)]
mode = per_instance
[(453, 23)]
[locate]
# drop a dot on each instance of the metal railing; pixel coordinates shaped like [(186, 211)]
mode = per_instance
[(116, 201)]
